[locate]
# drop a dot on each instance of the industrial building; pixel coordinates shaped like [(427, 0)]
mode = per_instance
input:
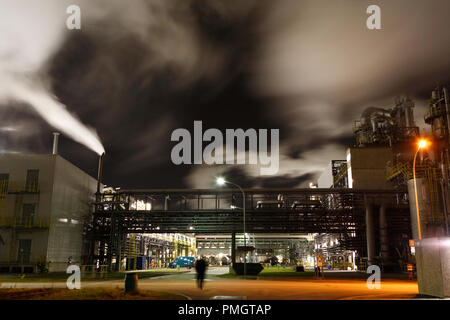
[(45, 204), (386, 156), (44, 200)]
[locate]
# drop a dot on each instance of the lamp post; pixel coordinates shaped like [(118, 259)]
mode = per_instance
[(221, 181), (421, 144)]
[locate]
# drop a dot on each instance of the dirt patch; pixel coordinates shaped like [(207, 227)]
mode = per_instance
[(85, 294)]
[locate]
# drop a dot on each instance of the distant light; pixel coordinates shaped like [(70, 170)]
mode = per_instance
[(8, 129), (118, 188), (423, 143), (191, 228), (63, 220), (445, 243), (220, 181), (232, 207)]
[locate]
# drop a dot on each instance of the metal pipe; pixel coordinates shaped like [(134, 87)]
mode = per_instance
[(233, 248), (55, 142), (444, 187), (99, 172), (447, 111), (370, 235), (415, 195), (243, 211), (384, 243)]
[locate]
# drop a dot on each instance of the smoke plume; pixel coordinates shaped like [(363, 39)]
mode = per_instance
[(29, 34)]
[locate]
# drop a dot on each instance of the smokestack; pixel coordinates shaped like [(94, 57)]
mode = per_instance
[(100, 168), (55, 142)]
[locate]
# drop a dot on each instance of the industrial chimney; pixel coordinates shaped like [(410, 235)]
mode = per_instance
[(100, 168), (55, 142)]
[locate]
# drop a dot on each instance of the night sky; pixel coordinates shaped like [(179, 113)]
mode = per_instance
[(137, 70)]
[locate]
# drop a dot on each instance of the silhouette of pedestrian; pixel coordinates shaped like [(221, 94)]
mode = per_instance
[(200, 267)]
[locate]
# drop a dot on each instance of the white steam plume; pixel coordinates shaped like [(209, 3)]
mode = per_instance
[(30, 31)]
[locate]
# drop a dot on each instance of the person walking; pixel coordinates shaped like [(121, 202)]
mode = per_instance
[(200, 267)]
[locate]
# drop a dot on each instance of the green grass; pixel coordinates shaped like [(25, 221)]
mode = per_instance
[(35, 277), (62, 277), (272, 272), (276, 269)]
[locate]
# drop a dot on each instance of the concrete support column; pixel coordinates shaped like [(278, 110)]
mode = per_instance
[(233, 247), (370, 235), (384, 243)]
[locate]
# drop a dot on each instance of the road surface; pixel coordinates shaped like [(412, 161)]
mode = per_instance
[(284, 289)]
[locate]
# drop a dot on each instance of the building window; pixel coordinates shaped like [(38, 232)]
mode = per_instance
[(24, 251), (28, 213), (4, 180), (32, 180)]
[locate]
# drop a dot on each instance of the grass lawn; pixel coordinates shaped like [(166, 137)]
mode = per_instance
[(85, 294), (272, 272), (62, 277)]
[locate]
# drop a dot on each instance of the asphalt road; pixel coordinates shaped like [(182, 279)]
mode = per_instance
[(284, 289)]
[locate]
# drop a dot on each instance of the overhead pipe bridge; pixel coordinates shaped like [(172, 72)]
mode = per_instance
[(349, 212)]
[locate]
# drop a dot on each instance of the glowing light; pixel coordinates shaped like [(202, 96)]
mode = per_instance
[(220, 181), (445, 243), (349, 170), (8, 129), (422, 143)]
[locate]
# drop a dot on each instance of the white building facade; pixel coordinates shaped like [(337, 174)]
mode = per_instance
[(43, 202)]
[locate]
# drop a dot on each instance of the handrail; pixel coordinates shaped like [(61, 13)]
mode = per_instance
[(25, 222), (8, 186)]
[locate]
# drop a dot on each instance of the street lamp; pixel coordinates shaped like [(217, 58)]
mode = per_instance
[(221, 181), (420, 145)]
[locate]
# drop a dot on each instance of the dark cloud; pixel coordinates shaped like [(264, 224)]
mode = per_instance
[(21, 129), (137, 71), (288, 181)]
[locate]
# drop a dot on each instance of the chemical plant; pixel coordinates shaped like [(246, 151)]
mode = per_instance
[(386, 204)]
